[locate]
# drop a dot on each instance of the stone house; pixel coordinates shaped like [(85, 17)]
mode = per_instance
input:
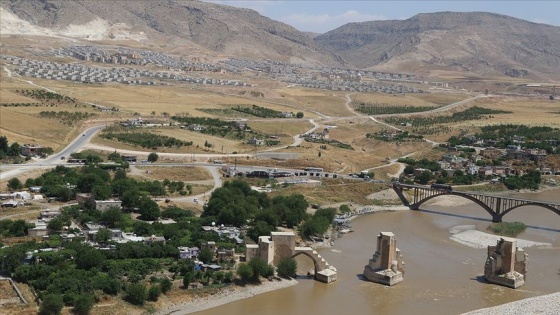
[(490, 153)]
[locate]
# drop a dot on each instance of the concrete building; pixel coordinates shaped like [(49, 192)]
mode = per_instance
[(31, 149), (386, 266), (188, 252), (506, 264), (103, 205)]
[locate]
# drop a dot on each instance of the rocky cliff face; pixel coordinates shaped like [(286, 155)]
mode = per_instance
[(484, 43), (219, 28)]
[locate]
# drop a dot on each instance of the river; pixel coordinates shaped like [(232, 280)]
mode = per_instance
[(441, 276)]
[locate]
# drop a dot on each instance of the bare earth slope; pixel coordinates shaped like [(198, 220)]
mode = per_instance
[(483, 43), (219, 28)]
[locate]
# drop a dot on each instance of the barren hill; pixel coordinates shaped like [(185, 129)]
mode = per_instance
[(483, 43), (219, 28)]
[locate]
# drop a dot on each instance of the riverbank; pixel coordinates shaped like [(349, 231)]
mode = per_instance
[(542, 305), (469, 236), (227, 295)]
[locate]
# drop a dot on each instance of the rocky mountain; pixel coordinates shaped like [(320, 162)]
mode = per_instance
[(477, 42), (216, 28)]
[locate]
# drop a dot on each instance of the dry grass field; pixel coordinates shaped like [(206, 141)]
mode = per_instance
[(171, 173), (334, 191), (424, 99), (22, 124)]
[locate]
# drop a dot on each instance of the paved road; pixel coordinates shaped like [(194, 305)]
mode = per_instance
[(13, 170)]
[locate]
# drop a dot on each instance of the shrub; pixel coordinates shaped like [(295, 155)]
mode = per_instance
[(154, 292), (511, 229), (83, 304), (287, 267), (165, 285), (136, 294), (52, 305)]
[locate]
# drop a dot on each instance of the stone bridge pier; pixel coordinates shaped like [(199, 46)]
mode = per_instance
[(272, 249)]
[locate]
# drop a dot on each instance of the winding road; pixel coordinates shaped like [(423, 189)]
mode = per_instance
[(83, 141)]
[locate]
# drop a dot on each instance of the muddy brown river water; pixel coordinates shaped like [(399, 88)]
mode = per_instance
[(441, 276)]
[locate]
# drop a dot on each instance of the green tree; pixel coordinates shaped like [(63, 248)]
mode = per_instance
[(409, 169), (103, 236), (52, 304), (112, 217), (154, 292), (424, 177), (153, 157), (260, 268), (245, 272), (299, 115), (149, 209), (12, 257), (88, 258), (287, 267), (187, 279), (56, 224), (14, 150), (136, 294), (206, 255), (4, 147), (344, 209), (83, 304), (15, 184), (165, 285)]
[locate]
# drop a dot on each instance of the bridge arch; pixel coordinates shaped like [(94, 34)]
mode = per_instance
[(478, 202), (315, 262), (530, 204)]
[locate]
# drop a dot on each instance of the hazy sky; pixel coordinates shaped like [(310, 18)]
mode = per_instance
[(322, 16)]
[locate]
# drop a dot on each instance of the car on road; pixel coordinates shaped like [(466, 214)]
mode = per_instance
[(62, 158), (195, 200)]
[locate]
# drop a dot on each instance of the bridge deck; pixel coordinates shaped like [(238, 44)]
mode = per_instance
[(497, 206)]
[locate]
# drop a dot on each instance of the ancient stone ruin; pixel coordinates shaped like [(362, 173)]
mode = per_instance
[(271, 249), (386, 266), (506, 264)]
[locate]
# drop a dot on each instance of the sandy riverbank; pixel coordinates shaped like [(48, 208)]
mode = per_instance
[(228, 295), (542, 305), (469, 236)]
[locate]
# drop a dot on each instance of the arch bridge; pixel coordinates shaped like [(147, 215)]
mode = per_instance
[(496, 206)]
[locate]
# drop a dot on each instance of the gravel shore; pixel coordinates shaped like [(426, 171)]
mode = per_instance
[(228, 295), (467, 235), (542, 305)]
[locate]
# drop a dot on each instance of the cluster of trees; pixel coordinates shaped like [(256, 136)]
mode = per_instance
[(473, 113), (146, 139), (17, 228), (253, 270), (66, 117), (13, 150), (530, 180), (77, 274), (535, 136), (423, 163), (398, 137), (334, 143), (433, 171), (77, 270), (380, 109), (318, 223), (64, 182), (237, 204), (46, 96), (205, 121), (258, 111), (20, 104)]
